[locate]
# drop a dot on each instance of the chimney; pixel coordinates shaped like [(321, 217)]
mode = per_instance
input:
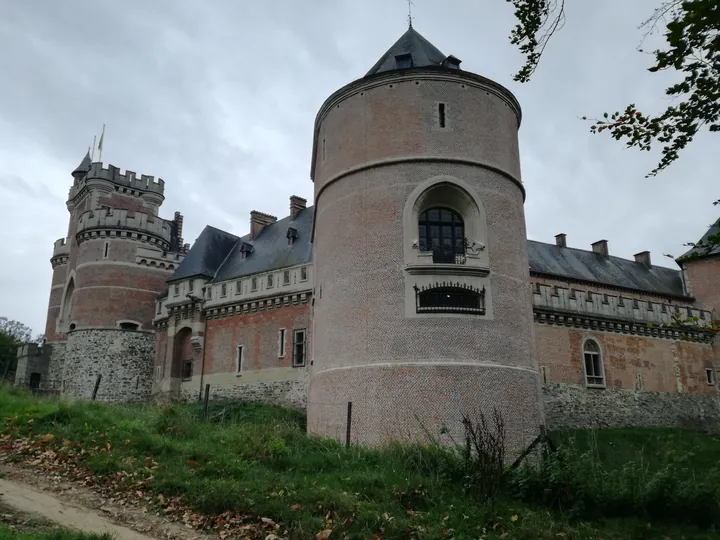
[(601, 247), (296, 204), (643, 258), (561, 240), (258, 221)]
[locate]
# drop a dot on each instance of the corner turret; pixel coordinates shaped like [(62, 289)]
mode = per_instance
[(82, 169)]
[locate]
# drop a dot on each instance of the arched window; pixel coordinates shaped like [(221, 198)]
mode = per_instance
[(449, 298), (594, 371), (442, 231)]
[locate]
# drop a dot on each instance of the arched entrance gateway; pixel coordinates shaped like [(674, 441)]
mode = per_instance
[(182, 365)]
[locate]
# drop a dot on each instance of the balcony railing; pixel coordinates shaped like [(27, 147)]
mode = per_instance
[(448, 255)]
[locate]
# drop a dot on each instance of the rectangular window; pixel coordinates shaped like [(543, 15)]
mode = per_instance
[(159, 308), (286, 277), (107, 248), (187, 373), (710, 376), (593, 369), (253, 284), (209, 292), (270, 281), (176, 289), (158, 373), (239, 358), (303, 273), (441, 114), (281, 343), (238, 287), (191, 285), (223, 289), (299, 348)]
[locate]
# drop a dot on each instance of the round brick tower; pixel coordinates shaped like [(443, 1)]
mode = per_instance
[(422, 307), (107, 274)]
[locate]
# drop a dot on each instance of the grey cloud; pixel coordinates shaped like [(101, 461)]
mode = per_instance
[(219, 99)]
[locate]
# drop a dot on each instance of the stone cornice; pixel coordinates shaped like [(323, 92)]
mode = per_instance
[(243, 307), (616, 325), (610, 286)]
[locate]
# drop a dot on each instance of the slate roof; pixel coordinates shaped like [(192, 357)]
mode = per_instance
[(206, 255), (411, 42), (714, 231), (271, 249), (613, 271), (84, 166)]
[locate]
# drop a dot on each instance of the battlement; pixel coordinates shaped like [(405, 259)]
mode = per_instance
[(609, 305), (128, 180), (61, 247), (116, 222)]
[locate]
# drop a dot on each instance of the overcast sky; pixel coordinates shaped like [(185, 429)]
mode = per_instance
[(218, 98)]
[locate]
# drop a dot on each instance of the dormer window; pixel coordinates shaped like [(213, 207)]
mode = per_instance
[(452, 62), (403, 61), (292, 234), (245, 249)]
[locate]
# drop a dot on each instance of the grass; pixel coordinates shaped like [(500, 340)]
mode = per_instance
[(258, 460), (10, 534)]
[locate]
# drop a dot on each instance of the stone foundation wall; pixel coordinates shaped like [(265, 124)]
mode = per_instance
[(57, 360), (284, 393), (570, 407), (124, 360)]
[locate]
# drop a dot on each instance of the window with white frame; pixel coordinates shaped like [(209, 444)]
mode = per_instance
[(299, 347), (594, 371), (238, 287), (303, 273), (239, 358), (191, 285), (223, 289), (253, 284), (209, 292), (176, 289), (269, 281), (710, 376), (281, 343), (286, 277), (159, 308)]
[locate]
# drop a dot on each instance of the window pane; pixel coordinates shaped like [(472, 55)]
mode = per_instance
[(588, 365), (446, 231), (596, 366), (445, 216), (434, 214)]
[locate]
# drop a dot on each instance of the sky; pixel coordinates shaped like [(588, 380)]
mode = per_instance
[(219, 97)]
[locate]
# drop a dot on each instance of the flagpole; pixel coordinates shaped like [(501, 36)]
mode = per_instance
[(100, 144), (92, 155)]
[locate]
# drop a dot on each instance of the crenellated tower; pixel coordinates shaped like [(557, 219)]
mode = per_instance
[(107, 272)]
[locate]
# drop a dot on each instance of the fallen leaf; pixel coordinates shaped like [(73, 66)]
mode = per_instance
[(48, 437), (514, 517), (323, 535)]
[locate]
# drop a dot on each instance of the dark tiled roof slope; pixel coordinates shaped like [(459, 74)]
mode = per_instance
[(271, 249), (713, 231), (423, 53), (613, 271), (206, 254)]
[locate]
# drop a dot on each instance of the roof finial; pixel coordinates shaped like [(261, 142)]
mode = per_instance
[(410, 17)]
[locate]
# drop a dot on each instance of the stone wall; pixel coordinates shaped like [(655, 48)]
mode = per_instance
[(570, 407), (284, 393), (123, 359)]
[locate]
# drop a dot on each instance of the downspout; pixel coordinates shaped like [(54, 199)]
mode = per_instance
[(202, 364)]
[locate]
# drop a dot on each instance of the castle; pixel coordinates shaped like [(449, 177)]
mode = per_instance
[(410, 289)]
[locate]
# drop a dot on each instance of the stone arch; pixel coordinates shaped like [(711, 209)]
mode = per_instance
[(451, 193), (182, 352)]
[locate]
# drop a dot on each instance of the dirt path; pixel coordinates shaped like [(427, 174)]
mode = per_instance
[(27, 499), (75, 507)]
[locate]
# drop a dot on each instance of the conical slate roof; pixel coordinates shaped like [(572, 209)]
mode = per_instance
[(712, 236), (421, 51), (84, 166)]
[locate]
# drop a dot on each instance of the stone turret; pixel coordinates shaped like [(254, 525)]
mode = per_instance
[(420, 228)]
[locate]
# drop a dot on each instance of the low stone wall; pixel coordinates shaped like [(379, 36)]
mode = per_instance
[(123, 358), (292, 393), (569, 407), (57, 360)]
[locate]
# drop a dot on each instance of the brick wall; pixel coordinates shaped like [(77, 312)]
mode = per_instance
[(702, 277), (416, 374)]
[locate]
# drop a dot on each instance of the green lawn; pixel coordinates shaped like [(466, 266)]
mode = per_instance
[(259, 461), (10, 534)]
